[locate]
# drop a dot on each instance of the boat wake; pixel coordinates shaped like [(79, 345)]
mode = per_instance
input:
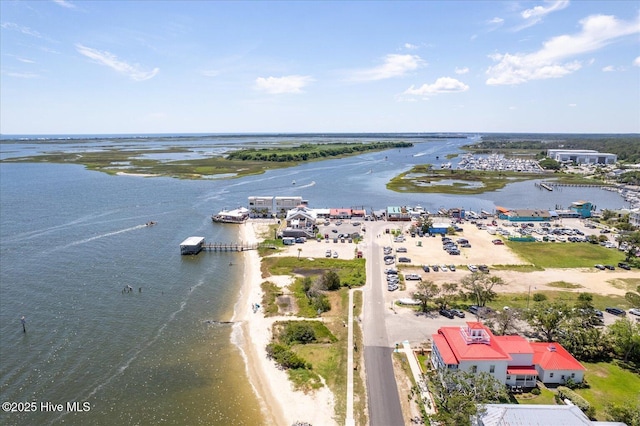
[(97, 237), (312, 183)]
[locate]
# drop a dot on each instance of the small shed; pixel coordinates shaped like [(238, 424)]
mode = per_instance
[(192, 245)]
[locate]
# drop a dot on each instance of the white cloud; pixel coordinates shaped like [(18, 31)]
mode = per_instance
[(22, 74), (286, 84), (393, 66), (549, 62), (496, 21), (65, 3), (636, 61), (513, 108), (410, 46), (462, 70), (441, 85), (112, 61), (21, 29), (535, 15), (26, 61), (573, 105), (608, 68)]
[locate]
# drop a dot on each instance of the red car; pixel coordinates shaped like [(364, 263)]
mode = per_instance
[(498, 242)]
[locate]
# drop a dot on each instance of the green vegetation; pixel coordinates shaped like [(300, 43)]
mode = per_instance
[(306, 152), (244, 162), (546, 397), (564, 255), (519, 300), (270, 294), (609, 383), (563, 284), (351, 272), (424, 179)]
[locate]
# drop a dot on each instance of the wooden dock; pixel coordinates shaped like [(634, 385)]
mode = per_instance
[(227, 247)]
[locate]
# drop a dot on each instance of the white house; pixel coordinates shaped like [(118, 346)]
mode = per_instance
[(512, 360), (555, 365)]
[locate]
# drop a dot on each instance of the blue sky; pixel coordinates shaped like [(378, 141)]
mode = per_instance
[(93, 67)]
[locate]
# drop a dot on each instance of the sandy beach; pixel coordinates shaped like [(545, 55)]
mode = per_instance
[(280, 404)]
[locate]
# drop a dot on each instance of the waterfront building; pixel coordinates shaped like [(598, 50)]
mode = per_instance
[(578, 156), (192, 245), (261, 206), (512, 360), (583, 208), (523, 215), (284, 204), (398, 214)]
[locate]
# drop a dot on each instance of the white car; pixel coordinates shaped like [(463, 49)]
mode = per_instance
[(327, 253), (335, 254), (635, 311), (472, 268)]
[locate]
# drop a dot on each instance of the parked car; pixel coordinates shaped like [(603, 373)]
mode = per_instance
[(426, 268), (624, 266), (404, 260), (610, 267), (335, 254), (634, 311), (327, 253), (472, 268), (457, 312), (401, 250), (599, 266), (446, 313), (483, 268), (498, 242), (435, 268), (452, 268), (413, 277), (616, 311)]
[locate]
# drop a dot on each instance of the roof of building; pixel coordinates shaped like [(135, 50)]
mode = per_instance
[(532, 415), (514, 344), (552, 356), (192, 241), (466, 347), (519, 371)]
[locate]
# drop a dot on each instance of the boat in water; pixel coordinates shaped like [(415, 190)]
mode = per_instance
[(239, 215)]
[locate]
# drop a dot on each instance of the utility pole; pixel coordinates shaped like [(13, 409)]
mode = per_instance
[(23, 321)]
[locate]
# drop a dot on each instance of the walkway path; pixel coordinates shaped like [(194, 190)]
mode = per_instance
[(350, 421), (425, 395)]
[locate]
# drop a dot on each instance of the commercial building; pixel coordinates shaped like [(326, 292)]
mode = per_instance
[(579, 156)]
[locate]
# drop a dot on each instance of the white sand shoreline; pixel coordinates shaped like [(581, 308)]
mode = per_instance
[(280, 404)]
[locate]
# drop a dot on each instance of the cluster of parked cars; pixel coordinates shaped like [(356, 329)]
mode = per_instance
[(451, 313), (450, 247), (392, 279), (621, 265), (436, 268), (481, 268)]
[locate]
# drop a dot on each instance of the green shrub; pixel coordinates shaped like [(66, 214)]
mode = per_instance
[(579, 401), (539, 297), (536, 391), (298, 332)]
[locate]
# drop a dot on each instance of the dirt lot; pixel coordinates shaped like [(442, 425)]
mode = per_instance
[(428, 251)]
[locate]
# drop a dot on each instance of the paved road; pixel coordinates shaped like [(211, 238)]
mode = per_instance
[(382, 391)]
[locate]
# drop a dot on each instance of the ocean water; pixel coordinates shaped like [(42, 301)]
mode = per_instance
[(71, 240)]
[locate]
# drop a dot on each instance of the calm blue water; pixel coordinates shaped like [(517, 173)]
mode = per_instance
[(72, 239)]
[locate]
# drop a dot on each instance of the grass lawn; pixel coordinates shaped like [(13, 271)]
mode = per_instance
[(565, 255), (546, 397), (519, 300), (609, 383)]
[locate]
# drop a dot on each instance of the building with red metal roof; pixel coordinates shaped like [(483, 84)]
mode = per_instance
[(512, 360)]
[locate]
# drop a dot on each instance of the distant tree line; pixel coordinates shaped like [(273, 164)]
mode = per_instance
[(627, 148), (307, 152)]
